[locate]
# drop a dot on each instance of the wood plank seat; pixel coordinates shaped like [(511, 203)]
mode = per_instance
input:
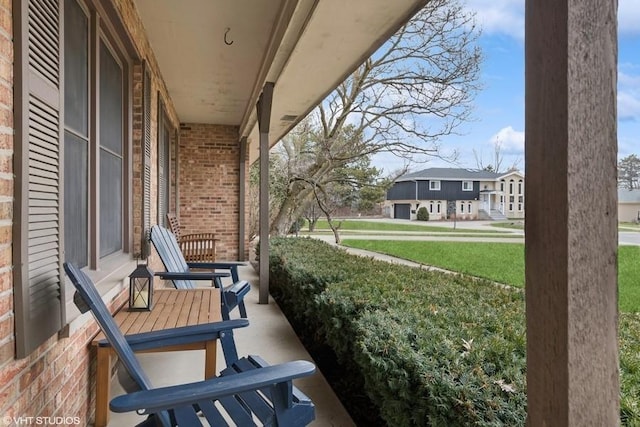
[(248, 393)]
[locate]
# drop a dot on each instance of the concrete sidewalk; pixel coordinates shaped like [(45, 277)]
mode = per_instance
[(269, 335)]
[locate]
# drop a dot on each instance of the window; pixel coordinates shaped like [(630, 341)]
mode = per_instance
[(511, 186), (520, 187), (434, 185), (462, 207), (438, 207), (467, 185), (76, 133), (430, 207), (520, 207), (502, 185), (469, 208), (70, 116), (511, 206), (107, 108)]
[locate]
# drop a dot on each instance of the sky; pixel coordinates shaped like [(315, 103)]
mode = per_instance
[(499, 106)]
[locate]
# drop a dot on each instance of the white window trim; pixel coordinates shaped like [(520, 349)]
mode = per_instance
[(434, 185), (465, 188)]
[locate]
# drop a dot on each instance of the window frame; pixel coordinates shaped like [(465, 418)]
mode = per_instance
[(465, 184), (434, 185)]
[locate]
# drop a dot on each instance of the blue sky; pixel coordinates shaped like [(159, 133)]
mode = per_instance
[(499, 112)]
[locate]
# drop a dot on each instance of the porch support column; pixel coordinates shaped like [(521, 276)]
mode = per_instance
[(264, 118), (571, 273), (242, 197)]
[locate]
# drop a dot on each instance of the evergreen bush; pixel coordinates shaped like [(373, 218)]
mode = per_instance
[(430, 348), (423, 214)]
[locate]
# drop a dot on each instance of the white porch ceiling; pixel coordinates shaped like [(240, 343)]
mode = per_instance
[(306, 47)]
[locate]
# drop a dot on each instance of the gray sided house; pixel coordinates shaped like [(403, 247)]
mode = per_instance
[(462, 194), (628, 205)]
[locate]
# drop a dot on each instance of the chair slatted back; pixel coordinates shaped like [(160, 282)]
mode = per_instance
[(92, 301), (167, 246), (174, 225)]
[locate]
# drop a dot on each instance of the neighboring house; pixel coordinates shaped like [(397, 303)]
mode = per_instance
[(628, 205), (461, 193)]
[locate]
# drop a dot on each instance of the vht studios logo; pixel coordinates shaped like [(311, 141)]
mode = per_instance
[(40, 421)]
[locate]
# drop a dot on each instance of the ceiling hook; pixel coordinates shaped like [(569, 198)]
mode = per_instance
[(227, 42)]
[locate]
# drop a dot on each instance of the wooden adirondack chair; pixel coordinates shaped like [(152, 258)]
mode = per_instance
[(247, 390), (196, 247), (178, 271)]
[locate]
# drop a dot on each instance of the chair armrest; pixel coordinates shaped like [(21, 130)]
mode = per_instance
[(181, 335), (169, 275), (187, 394), (217, 264), (223, 265)]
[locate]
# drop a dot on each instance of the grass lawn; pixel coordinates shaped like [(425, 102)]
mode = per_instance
[(516, 225), (349, 224), (500, 262)]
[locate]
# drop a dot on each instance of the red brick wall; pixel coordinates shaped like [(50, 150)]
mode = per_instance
[(57, 379), (209, 184)]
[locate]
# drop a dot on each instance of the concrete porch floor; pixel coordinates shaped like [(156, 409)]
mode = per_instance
[(268, 335)]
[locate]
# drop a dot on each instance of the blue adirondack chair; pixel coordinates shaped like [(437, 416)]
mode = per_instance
[(247, 390), (179, 272)]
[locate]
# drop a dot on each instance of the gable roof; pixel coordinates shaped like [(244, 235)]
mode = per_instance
[(628, 196), (452, 174)]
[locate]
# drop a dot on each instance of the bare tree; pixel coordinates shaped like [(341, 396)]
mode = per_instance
[(629, 172), (417, 88)]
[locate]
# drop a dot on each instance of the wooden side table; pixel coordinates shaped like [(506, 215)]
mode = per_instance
[(172, 308)]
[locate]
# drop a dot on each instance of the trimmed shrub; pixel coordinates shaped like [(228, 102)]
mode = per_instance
[(429, 348), (422, 214)]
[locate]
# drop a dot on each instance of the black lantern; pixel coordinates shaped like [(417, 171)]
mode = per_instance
[(141, 288)]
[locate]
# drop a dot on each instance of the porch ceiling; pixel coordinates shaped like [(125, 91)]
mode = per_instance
[(306, 47)]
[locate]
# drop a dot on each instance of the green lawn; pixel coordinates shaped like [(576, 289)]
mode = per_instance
[(500, 262), (350, 224), (516, 225)]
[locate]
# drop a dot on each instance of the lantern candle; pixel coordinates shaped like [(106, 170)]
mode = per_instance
[(141, 288)]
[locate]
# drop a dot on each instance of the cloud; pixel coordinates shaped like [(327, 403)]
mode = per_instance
[(628, 106), (499, 16), (628, 96), (511, 140), (507, 16), (629, 16)]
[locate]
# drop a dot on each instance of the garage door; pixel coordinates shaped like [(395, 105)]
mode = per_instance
[(402, 211)]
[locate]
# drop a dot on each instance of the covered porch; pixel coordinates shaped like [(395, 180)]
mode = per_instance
[(195, 92)]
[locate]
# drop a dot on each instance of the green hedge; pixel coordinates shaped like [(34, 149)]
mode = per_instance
[(431, 348)]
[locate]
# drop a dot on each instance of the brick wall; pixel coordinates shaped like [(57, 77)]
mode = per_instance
[(209, 184), (57, 379)]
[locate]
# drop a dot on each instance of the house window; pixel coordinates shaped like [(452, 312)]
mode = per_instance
[(434, 185), (430, 207), (502, 185), (469, 208), (511, 206), (462, 207), (107, 107), (511, 186), (467, 185), (520, 207), (438, 207), (520, 187)]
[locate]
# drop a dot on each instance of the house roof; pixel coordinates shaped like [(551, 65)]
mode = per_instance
[(628, 196), (216, 56), (452, 174)]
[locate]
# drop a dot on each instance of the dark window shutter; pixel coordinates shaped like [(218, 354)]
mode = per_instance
[(163, 165), (37, 227), (146, 166)]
